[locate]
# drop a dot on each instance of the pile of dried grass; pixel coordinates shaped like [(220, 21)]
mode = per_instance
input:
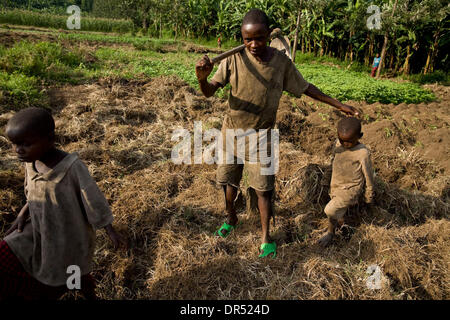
[(169, 212), (410, 207), (412, 257)]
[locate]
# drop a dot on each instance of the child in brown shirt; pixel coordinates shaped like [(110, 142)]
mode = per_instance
[(258, 75), (55, 229), (351, 173)]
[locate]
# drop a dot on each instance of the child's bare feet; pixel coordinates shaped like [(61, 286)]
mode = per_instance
[(325, 240)]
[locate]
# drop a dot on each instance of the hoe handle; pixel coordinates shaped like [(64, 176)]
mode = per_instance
[(226, 54)]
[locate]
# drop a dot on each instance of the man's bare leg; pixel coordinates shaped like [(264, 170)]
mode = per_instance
[(230, 196), (265, 210)]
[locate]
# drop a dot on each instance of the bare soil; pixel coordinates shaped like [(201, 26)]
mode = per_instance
[(23, 33)]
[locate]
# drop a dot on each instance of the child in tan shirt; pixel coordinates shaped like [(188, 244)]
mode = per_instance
[(56, 227), (351, 174), (258, 76)]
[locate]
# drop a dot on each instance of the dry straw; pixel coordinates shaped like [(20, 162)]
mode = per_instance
[(169, 212)]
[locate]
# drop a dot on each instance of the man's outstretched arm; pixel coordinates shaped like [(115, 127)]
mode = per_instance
[(315, 93)]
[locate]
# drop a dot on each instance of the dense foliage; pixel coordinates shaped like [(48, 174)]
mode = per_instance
[(57, 6), (57, 21), (415, 32)]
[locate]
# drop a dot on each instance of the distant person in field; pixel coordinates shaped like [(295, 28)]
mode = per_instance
[(376, 63), (258, 75), (352, 175), (56, 227), (219, 41)]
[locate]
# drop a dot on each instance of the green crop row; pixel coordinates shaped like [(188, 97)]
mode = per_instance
[(49, 20), (349, 85), (27, 67)]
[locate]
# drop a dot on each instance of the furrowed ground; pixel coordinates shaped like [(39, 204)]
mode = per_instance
[(117, 101)]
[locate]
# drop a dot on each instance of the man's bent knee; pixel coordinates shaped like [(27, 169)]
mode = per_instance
[(264, 194)]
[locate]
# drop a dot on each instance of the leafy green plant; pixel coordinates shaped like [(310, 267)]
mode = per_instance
[(349, 85), (388, 132), (18, 90), (419, 144), (46, 60), (324, 116)]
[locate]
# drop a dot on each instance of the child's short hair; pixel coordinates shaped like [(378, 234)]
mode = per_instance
[(256, 16), (35, 120), (349, 125)]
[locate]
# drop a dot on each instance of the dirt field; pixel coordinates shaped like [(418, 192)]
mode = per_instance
[(122, 130), (23, 33)]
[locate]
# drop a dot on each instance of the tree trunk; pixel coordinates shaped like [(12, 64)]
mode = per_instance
[(294, 47), (144, 19), (425, 69), (368, 53), (160, 26), (429, 66), (391, 62), (176, 30), (303, 43), (350, 45), (386, 38), (144, 24), (406, 66), (322, 47), (393, 55), (383, 53), (397, 64)]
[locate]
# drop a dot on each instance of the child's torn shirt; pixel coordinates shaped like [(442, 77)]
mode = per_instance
[(65, 206), (351, 172)]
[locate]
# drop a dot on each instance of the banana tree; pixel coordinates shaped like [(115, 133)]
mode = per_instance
[(324, 33), (388, 26), (438, 13), (308, 20), (297, 24)]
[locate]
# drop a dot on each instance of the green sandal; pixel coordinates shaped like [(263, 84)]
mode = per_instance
[(227, 227), (267, 249)]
